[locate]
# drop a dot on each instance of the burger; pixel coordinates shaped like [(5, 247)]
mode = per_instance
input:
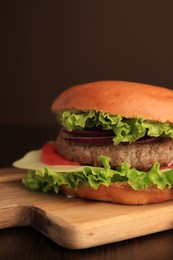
[(115, 144)]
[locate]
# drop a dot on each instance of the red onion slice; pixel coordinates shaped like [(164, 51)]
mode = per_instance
[(101, 137), (107, 140), (89, 133), (149, 140)]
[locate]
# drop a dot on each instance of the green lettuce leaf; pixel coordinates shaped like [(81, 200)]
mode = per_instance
[(48, 180), (125, 130)]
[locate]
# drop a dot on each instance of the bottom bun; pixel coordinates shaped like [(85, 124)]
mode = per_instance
[(121, 194)]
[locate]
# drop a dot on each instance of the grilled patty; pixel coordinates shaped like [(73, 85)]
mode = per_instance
[(140, 156)]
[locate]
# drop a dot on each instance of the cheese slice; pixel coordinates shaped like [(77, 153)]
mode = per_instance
[(31, 161)]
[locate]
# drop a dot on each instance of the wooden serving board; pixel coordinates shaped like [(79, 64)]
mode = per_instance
[(75, 223)]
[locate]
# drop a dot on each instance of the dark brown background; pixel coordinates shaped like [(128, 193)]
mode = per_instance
[(47, 46)]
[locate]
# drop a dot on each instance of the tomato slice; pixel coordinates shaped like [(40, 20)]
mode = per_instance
[(166, 167), (49, 155)]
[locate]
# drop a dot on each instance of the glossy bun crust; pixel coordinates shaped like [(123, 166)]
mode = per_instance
[(127, 99), (121, 193)]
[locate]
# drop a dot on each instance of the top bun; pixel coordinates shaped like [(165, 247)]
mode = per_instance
[(127, 99)]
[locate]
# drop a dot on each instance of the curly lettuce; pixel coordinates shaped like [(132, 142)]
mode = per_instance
[(125, 129), (46, 179)]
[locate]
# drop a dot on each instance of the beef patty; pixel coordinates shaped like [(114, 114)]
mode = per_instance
[(141, 156)]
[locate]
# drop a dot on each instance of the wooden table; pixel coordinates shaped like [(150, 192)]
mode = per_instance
[(27, 243)]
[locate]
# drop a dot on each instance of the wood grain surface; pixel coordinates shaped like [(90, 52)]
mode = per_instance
[(75, 223)]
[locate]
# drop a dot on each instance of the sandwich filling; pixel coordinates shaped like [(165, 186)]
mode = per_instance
[(87, 135), (138, 152), (124, 129)]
